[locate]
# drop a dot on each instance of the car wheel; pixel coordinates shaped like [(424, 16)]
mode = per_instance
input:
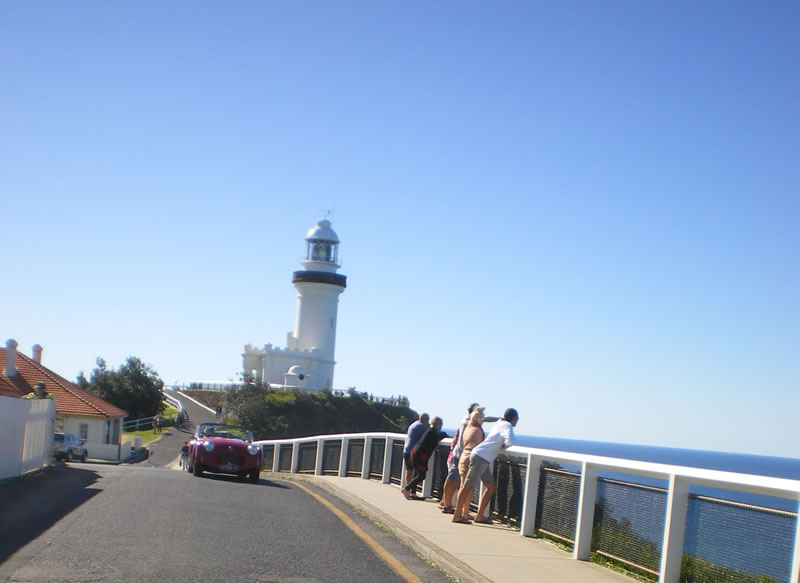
[(68, 457), (197, 469), (83, 457), (253, 476)]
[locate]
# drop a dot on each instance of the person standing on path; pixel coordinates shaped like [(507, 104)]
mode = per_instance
[(415, 432), (480, 466)]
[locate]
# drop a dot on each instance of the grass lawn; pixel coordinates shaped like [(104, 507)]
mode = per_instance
[(147, 434)]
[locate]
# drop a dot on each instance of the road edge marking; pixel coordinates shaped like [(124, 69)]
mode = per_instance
[(385, 555)]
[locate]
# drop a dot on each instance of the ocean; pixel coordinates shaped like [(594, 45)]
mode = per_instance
[(778, 467)]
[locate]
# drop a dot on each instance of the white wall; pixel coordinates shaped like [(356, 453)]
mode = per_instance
[(271, 363), (104, 451), (96, 436), (26, 435), (129, 446)]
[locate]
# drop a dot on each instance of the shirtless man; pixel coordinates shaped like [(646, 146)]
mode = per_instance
[(480, 467)]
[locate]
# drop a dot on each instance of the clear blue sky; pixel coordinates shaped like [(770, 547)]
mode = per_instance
[(586, 210)]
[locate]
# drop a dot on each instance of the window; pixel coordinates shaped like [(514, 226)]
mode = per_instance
[(83, 431), (326, 251)]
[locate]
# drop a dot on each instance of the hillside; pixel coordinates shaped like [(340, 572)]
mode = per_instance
[(279, 414)]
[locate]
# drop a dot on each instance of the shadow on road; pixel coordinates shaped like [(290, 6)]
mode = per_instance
[(231, 478), (272, 484), (31, 505)]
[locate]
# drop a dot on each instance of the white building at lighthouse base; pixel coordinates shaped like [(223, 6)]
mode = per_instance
[(272, 365)]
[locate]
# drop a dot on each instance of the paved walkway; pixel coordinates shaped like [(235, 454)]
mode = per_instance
[(475, 552)]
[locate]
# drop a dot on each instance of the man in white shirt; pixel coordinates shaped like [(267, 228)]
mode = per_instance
[(480, 468)]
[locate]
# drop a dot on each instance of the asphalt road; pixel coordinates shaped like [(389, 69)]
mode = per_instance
[(93, 522), (167, 448)]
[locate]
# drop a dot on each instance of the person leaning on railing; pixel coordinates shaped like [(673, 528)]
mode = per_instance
[(480, 467), (420, 454), (453, 479), (415, 432)]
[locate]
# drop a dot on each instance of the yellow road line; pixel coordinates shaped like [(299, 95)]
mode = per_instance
[(387, 557)]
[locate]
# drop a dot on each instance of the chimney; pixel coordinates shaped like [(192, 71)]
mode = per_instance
[(37, 353), (11, 358)]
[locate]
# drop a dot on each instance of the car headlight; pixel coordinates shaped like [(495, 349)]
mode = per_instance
[(208, 445), (252, 449)]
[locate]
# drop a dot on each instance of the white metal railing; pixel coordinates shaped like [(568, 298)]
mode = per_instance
[(148, 421), (136, 424), (173, 401), (679, 479)]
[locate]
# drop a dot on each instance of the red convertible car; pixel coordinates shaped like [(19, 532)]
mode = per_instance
[(224, 449)]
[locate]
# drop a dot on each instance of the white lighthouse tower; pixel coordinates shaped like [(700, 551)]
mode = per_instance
[(308, 360)]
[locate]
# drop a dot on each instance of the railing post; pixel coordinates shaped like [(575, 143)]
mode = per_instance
[(367, 453), (320, 457), (276, 457), (795, 570), (387, 459), (295, 457), (674, 529), (583, 524), (528, 520), (427, 485), (343, 457)]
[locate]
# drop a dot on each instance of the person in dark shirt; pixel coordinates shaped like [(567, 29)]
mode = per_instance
[(415, 432), (420, 454)]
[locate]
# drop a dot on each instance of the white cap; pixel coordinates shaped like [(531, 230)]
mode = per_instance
[(322, 232)]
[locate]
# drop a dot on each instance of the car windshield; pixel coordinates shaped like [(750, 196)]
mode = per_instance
[(219, 430)]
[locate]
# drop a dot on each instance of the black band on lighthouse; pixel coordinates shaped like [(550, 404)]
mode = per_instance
[(320, 277)]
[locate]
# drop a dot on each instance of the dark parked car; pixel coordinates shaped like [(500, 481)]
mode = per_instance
[(224, 449), (68, 447)]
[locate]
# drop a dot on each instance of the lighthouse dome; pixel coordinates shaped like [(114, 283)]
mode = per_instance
[(322, 232)]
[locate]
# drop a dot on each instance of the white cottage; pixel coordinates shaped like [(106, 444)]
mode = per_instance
[(94, 421)]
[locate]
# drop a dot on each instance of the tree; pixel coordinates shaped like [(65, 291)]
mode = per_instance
[(134, 387), (247, 405), (82, 381)]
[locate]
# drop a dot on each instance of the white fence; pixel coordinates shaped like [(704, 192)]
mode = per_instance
[(296, 455), (26, 435)]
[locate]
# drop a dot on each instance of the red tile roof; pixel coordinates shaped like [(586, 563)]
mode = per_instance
[(7, 389), (70, 398)]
